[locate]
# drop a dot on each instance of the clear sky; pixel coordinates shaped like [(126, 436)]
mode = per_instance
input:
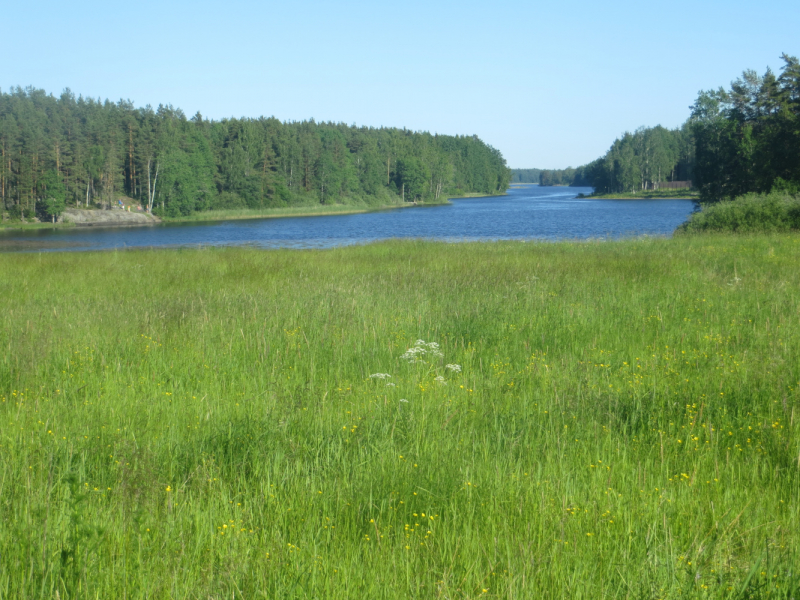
[(550, 84)]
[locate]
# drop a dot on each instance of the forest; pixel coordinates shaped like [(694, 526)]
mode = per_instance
[(65, 151), (736, 141), (525, 175)]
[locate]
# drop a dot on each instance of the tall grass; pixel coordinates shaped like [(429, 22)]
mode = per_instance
[(286, 211), (203, 424)]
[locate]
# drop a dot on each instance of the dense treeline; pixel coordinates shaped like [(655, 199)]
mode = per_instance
[(746, 139), (578, 177), (643, 159), (568, 176), (636, 161), (525, 175), (79, 151)]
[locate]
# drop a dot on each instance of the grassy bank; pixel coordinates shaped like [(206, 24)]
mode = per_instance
[(24, 225), (290, 211), (244, 213), (649, 195), (752, 213), (623, 421), (477, 195)]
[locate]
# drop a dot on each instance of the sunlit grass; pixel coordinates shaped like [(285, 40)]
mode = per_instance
[(203, 423), (286, 211)]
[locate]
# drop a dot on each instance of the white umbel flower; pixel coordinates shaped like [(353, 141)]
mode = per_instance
[(422, 349)]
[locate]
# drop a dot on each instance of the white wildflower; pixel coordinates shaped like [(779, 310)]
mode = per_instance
[(454, 368), (421, 349), (380, 376), (440, 379), (403, 400), (390, 385)]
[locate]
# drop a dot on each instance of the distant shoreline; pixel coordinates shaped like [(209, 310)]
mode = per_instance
[(477, 195), (212, 215), (105, 218), (657, 195)]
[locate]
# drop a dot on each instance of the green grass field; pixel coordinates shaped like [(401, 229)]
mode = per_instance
[(622, 421)]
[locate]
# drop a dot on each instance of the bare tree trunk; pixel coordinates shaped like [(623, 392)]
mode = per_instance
[(3, 177), (131, 172), (149, 199), (263, 176), (151, 191)]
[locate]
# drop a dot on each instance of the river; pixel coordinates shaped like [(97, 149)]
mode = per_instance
[(526, 213)]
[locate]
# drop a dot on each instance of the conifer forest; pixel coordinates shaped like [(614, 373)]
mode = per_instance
[(75, 151)]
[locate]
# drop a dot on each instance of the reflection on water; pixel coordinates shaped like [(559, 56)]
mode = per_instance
[(528, 212)]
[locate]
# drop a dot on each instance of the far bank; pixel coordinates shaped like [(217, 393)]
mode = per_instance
[(115, 217), (95, 217)]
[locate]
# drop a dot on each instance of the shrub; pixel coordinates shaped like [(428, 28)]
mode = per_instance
[(228, 201), (751, 213)]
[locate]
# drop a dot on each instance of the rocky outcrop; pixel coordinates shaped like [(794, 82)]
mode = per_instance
[(107, 218)]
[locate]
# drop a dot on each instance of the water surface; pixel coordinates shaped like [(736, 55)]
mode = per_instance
[(526, 213)]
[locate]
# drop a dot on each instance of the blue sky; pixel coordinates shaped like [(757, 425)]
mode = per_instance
[(551, 84)]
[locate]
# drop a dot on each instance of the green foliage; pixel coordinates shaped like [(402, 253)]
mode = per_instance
[(751, 213), (204, 424), (413, 176), (791, 188), (638, 161), (99, 150), (748, 138), (580, 177), (642, 160), (53, 195), (664, 193), (525, 175)]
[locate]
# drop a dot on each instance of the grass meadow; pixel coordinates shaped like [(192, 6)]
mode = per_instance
[(595, 420)]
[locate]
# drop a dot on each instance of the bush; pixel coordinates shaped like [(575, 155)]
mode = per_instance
[(751, 213), (228, 201)]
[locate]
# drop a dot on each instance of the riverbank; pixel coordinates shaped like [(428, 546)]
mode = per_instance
[(291, 211), (478, 195), (82, 217), (106, 218), (119, 218), (197, 423), (648, 195), (26, 225)]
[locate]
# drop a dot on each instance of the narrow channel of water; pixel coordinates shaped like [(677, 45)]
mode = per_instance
[(529, 212)]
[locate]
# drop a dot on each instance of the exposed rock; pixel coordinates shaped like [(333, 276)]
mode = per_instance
[(107, 218)]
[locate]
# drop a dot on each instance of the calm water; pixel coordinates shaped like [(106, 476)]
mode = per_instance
[(529, 212)]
